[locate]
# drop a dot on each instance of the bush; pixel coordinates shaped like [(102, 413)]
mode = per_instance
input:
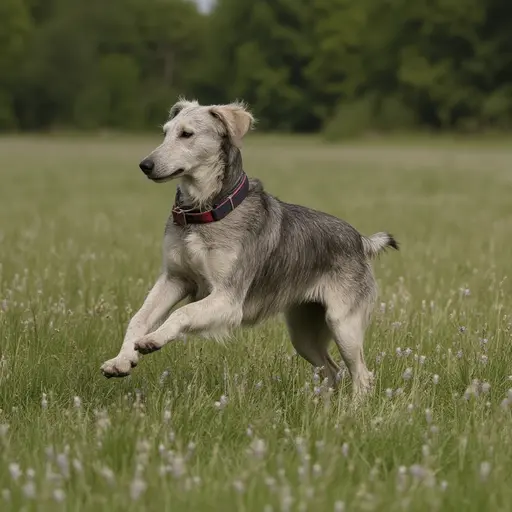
[(350, 120), (369, 114)]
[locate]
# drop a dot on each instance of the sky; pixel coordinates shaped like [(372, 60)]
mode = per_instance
[(204, 5)]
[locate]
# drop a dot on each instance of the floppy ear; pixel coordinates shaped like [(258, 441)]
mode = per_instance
[(179, 106), (236, 119)]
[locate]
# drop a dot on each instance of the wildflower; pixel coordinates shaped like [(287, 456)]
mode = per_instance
[(63, 463), (44, 401), (417, 471), (107, 474), (422, 359), (443, 485), (435, 379), (408, 352), (29, 490), (15, 470), (402, 478), (3, 430), (407, 375), (339, 506), (77, 402), (259, 385), (398, 351), (317, 470), (164, 376), (462, 329), (178, 467), (486, 387), (77, 466), (137, 488), (59, 495), (270, 482), (345, 450), (258, 448), (485, 471), (389, 393), (484, 359), (428, 416), (459, 354), (239, 486), (221, 404)]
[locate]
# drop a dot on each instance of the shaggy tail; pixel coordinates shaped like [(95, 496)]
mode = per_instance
[(375, 244)]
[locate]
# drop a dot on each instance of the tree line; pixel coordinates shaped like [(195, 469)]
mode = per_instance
[(340, 66)]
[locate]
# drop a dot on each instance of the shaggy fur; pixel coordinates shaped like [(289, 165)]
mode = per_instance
[(264, 258)]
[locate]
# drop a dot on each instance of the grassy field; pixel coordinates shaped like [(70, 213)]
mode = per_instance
[(80, 238)]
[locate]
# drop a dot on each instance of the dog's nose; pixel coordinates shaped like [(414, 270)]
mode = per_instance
[(147, 165)]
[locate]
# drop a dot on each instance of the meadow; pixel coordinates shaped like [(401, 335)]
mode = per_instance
[(247, 425)]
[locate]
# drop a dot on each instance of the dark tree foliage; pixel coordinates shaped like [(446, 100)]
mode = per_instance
[(345, 66)]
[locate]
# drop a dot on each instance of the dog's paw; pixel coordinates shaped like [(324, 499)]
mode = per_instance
[(147, 344), (120, 366)]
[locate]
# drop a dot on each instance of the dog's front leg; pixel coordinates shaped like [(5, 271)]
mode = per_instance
[(216, 312), (166, 293)]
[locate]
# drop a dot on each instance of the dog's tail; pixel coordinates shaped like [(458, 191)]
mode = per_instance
[(375, 244)]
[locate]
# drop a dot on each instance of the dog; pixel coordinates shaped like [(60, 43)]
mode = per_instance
[(240, 255)]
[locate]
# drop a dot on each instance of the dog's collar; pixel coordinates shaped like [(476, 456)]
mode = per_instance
[(183, 216)]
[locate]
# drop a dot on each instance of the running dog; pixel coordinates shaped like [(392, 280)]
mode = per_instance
[(240, 255)]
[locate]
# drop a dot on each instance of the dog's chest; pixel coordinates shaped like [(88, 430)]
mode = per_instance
[(205, 264)]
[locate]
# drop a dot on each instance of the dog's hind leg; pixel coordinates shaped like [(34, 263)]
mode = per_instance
[(348, 328), (310, 336)]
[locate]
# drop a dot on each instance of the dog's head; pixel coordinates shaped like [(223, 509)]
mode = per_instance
[(195, 141)]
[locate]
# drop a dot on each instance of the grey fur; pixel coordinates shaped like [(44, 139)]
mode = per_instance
[(266, 257)]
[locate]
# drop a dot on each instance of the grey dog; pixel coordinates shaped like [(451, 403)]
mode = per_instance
[(240, 255)]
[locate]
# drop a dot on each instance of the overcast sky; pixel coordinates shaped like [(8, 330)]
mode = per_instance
[(204, 5)]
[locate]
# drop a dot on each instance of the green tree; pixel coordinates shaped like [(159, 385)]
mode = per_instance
[(14, 31)]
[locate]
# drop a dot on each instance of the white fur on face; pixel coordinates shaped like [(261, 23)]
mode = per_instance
[(192, 146), (192, 140)]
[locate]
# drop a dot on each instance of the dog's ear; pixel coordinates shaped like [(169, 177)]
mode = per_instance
[(236, 118), (179, 106)]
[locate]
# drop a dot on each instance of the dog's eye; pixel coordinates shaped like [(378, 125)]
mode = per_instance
[(186, 135)]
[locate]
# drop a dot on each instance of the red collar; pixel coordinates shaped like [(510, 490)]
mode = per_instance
[(183, 216)]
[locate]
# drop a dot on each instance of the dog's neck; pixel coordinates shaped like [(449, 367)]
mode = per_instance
[(213, 181)]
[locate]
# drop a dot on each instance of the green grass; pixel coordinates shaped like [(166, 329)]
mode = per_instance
[(80, 242)]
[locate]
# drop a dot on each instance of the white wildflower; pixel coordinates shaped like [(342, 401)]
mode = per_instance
[(258, 448), (59, 495), (137, 488), (339, 506), (15, 470), (407, 375), (485, 471), (29, 490)]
